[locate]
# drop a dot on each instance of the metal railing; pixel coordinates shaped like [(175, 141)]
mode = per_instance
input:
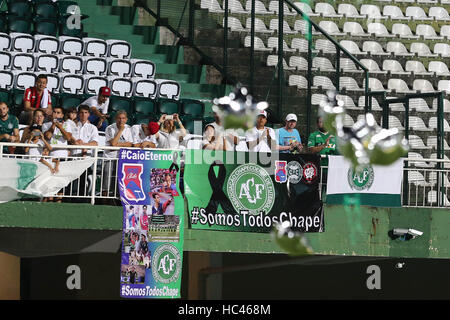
[(427, 184)]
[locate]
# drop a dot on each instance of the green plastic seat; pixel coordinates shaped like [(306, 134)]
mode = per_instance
[(145, 106), (63, 5), (120, 103), (168, 106), (47, 27), (46, 10), (64, 29), (17, 24), (192, 107), (142, 118), (6, 96), (21, 9), (70, 100), (17, 98), (3, 23)]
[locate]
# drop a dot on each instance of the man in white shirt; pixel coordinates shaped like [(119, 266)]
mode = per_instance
[(99, 108), (261, 138), (86, 134), (143, 134), (118, 134), (230, 135), (58, 132)]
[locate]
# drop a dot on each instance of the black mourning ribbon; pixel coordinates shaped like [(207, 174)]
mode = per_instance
[(218, 196), (174, 164)]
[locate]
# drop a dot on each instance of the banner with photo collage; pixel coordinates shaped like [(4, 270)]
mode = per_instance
[(153, 208), (251, 192)]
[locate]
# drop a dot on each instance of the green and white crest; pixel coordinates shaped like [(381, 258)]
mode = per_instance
[(250, 188), (360, 179), (166, 263)]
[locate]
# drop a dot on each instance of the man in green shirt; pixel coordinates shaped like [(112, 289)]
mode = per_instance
[(322, 142), (9, 127)]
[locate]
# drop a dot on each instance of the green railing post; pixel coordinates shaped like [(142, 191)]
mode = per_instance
[(440, 147), (366, 93), (280, 57), (252, 46), (385, 106), (338, 68), (310, 81), (158, 9), (191, 32)]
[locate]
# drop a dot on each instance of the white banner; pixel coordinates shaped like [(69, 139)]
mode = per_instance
[(27, 178)]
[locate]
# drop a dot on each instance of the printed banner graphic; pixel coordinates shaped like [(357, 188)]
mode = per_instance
[(152, 246), (27, 178), (246, 191), (378, 186)]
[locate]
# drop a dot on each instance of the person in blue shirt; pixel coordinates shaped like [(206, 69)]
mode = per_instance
[(289, 140)]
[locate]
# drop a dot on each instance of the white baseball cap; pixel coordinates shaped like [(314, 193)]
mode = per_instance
[(291, 117), (262, 113)]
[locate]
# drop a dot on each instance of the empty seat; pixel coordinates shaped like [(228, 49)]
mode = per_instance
[(444, 85), (432, 142), (46, 44), (348, 102), (272, 61), (394, 122), (439, 67), (375, 84), (17, 24), (417, 178), (71, 83), (393, 66), (349, 84), (348, 121), (95, 47), (352, 47), (349, 11), (305, 8), (317, 98), (418, 156), (119, 67), (145, 88), (420, 105), (325, 46), (417, 124), (47, 62), (121, 86), (272, 43), (399, 85), (194, 108), (5, 42), (446, 103), (71, 64), (274, 6), (398, 48), (432, 198), (211, 5), (118, 49), (416, 67), (22, 42), (326, 10), (331, 28), (168, 89), (71, 46), (46, 27), (258, 44), (298, 81), (416, 13), (22, 61), (21, 9), (371, 65), (354, 29), (286, 28), (6, 79), (439, 13), (299, 44), (168, 106), (322, 64), (427, 31), (433, 124), (379, 30), (53, 82), (5, 60), (415, 142), (144, 106), (24, 80), (394, 12), (324, 82), (374, 48), (234, 24), (299, 63), (260, 26), (92, 84), (442, 49), (403, 31), (143, 68), (421, 49), (95, 66), (348, 65), (260, 8)]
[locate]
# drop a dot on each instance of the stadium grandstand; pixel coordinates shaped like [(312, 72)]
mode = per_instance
[(174, 57)]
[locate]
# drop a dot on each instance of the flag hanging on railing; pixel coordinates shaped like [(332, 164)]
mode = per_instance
[(21, 178), (378, 186), (153, 211)]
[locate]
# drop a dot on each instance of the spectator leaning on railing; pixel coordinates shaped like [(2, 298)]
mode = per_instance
[(9, 127), (143, 134), (261, 138), (37, 97), (289, 140)]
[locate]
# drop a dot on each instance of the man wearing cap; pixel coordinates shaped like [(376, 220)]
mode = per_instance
[(289, 140), (143, 134), (99, 108), (261, 138)]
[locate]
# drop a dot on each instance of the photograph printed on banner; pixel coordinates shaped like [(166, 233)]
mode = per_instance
[(165, 231), (132, 217), (161, 204), (163, 181), (132, 274)]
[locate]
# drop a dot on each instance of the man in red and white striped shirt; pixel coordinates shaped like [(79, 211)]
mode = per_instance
[(37, 97)]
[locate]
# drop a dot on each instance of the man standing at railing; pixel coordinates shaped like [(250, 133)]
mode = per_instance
[(261, 138), (9, 127), (289, 140), (118, 134)]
